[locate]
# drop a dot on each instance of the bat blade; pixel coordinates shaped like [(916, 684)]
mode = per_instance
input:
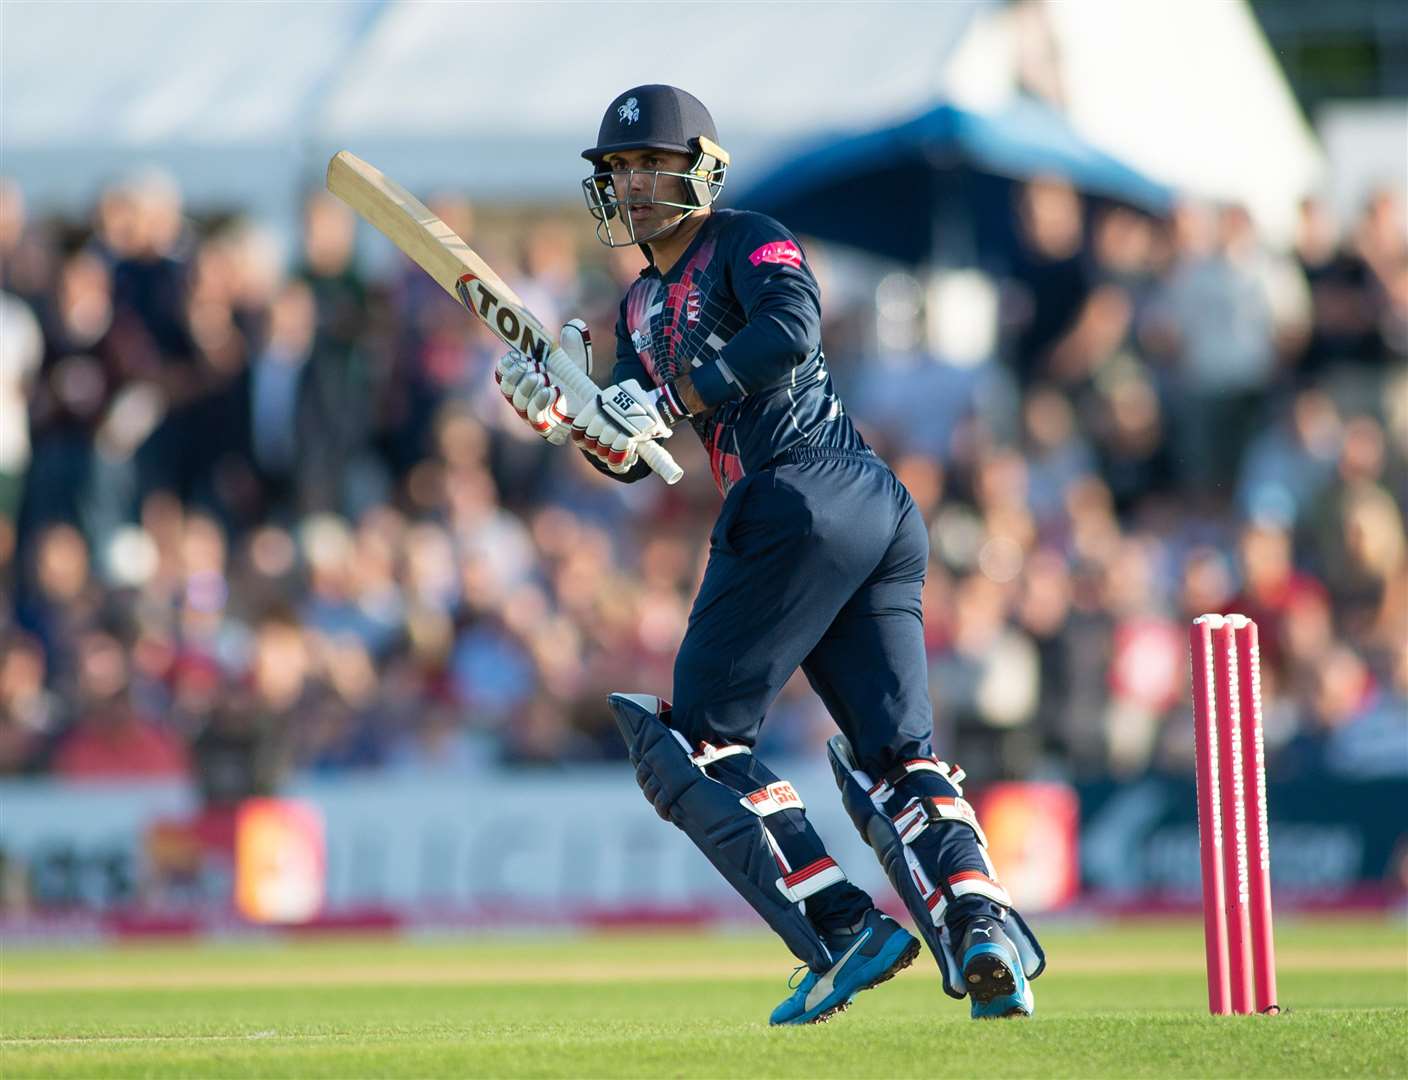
[(437, 249), (457, 268)]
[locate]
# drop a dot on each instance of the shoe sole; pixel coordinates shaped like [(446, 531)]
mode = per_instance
[(988, 976), (901, 962)]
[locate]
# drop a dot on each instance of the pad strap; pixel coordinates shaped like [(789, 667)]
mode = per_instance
[(881, 792), (967, 883), (919, 813), (810, 879)]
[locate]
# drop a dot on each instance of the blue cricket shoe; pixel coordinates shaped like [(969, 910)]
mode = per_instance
[(992, 971), (878, 951)]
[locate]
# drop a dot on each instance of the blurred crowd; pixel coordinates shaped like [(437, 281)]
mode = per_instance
[(262, 516)]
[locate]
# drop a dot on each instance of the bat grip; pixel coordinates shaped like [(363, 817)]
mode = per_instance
[(581, 389)]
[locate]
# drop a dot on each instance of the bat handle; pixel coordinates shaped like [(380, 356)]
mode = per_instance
[(580, 389)]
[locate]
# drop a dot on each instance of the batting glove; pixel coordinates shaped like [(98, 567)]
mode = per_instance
[(614, 424), (526, 385)]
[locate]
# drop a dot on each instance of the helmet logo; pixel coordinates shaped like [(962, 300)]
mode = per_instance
[(629, 111)]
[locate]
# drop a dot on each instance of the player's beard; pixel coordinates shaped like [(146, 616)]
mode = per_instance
[(660, 220), (659, 223)]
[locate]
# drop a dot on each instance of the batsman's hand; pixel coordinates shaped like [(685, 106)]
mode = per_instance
[(614, 424), (526, 385)]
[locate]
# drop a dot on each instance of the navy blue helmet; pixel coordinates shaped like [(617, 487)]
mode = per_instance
[(661, 118)]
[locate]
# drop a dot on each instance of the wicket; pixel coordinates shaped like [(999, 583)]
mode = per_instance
[(1232, 832)]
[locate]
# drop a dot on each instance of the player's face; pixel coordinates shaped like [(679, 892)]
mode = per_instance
[(637, 180)]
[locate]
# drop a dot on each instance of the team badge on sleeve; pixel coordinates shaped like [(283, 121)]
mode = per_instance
[(784, 252)]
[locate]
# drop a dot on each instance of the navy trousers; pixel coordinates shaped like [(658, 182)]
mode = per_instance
[(817, 562)]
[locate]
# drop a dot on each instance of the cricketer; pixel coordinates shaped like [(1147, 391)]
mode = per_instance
[(817, 560)]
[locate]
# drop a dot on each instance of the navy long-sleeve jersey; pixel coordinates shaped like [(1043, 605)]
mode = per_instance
[(740, 312)]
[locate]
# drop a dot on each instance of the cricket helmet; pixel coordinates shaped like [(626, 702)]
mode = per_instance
[(660, 118)]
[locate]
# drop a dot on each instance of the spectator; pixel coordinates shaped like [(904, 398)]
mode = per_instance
[(1340, 291), (277, 400), (1132, 440), (1271, 585), (342, 377), (1373, 744), (31, 715), (1381, 240), (249, 542), (1359, 471), (1051, 283), (1291, 461), (1213, 322), (1374, 547), (1056, 452), (111, 739), (1147, 668), (987, 682), (1338, 725), (21, 349)]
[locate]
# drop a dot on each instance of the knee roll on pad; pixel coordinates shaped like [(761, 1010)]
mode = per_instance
[(928, 795), (725, 824)]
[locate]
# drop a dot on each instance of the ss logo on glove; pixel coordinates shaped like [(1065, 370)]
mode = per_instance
[(625, 402)]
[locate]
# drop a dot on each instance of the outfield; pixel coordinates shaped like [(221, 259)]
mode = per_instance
[(1118, 1001)]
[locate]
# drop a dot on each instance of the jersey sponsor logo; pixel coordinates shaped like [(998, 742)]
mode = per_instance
[(628, 111), (640, 340), (784, 252), (693, 305)]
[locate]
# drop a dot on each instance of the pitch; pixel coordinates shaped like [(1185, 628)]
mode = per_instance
[(1119, 1000)]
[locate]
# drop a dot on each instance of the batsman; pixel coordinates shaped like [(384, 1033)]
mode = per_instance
[(816, 560)]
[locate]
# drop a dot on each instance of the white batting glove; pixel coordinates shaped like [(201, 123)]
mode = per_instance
[(526, 385), (614, 424)]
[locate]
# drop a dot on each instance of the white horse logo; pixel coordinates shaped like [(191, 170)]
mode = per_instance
[(629, 112)]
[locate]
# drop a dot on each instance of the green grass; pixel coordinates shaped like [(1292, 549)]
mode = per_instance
[(1117, 1001)]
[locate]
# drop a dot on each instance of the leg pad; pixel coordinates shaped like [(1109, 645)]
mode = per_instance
[(924, 894), (722, 824)]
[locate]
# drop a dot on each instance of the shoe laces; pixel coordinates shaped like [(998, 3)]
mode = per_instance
[(792, 980)]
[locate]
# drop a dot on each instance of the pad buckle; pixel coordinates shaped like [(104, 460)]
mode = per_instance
[(952, 773)]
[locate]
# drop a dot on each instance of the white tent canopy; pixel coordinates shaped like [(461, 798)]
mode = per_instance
[(509, 94), (1186, 91), (148, 75), (217, 94), (1232, 104), (243, 102)]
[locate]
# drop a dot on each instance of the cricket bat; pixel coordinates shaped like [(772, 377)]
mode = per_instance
[(433, 246)]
